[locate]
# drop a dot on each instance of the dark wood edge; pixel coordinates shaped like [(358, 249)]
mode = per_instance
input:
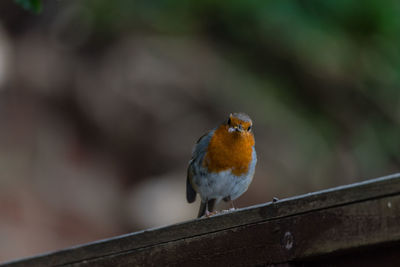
[(347, 228), (338, 196)]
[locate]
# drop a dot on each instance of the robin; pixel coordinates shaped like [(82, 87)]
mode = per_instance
[(223, 163)]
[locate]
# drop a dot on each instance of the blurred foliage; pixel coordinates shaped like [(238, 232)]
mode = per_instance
[(335, 63), (104, 100), (31, 5), (327, 73)]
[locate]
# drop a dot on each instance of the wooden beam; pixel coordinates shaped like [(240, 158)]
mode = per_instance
[(311, 227)]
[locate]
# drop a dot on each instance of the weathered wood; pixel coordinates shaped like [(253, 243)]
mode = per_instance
[(307, 228)]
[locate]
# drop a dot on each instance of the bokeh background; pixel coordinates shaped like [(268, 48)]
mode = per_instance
[(101, 103)]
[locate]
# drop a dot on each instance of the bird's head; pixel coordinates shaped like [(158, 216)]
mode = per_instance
[(239, 123)]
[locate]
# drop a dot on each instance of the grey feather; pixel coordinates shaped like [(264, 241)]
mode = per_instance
[(197, 156)]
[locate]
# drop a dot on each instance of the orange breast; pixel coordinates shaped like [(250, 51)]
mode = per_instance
[(229, 151)]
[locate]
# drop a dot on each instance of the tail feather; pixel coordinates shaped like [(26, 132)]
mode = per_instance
[(190, 193)]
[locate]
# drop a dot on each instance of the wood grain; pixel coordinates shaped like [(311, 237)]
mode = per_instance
[(311, 228)]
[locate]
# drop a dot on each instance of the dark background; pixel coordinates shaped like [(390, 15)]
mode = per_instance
[(101, 103)]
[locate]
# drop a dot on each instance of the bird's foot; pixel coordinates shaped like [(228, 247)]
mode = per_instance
[(209, 214), (275, 199)]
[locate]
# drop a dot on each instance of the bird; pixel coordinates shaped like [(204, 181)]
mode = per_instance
[(223, 163)]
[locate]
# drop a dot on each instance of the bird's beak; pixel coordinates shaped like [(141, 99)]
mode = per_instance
[(239, 128)]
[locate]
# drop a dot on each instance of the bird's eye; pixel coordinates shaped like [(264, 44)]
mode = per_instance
[(229, 121), (249, 128)]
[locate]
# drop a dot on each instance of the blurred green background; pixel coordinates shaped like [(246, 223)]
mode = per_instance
[(102, 101)]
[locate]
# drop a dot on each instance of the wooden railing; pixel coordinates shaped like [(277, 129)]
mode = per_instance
[(355, 224)]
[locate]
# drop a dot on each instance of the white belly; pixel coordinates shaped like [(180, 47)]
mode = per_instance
[(221, 185)]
